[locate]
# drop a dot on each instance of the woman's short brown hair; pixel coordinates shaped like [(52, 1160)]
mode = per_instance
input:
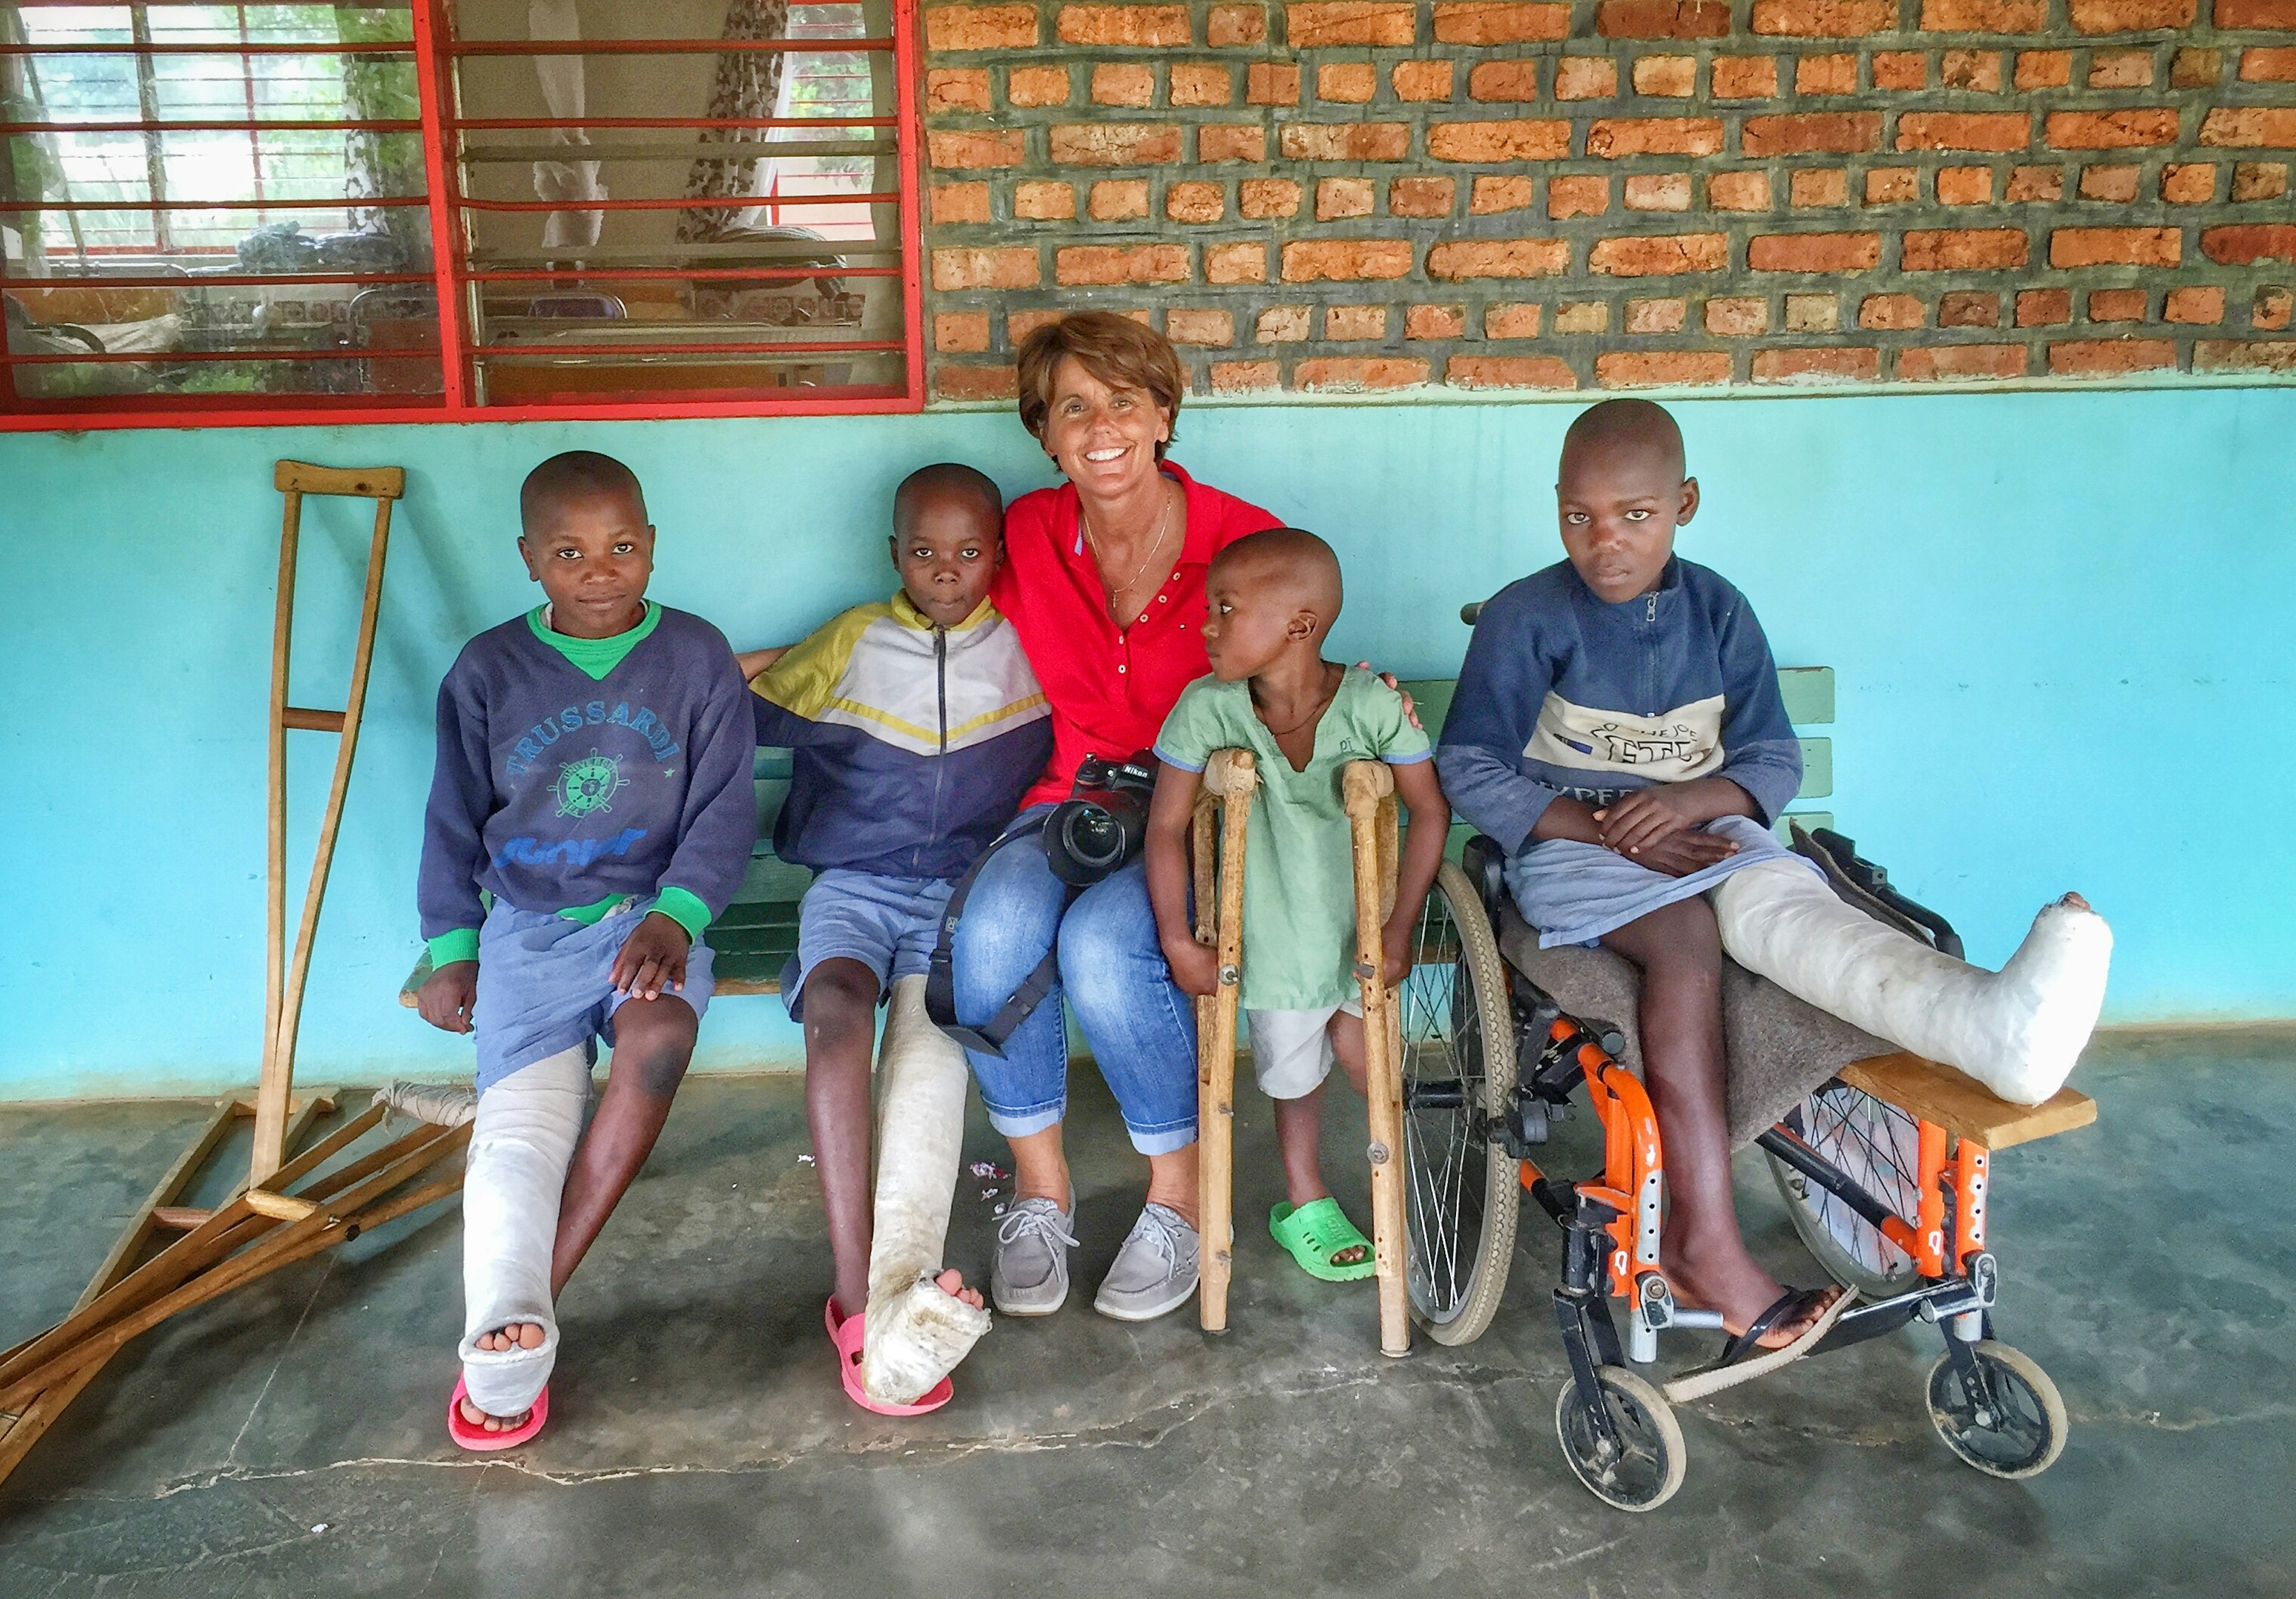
[(1120, 352)]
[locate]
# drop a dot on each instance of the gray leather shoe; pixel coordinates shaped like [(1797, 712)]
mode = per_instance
[(1029, 1275), (1155, 1271)]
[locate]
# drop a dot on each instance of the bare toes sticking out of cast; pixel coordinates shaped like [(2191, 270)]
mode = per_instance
[(952, 1284)]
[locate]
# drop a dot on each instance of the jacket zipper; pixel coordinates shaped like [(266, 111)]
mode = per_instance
[(941, 766), (1650, 654)]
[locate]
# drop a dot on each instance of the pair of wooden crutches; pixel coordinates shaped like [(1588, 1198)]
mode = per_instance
[(1223, 805), (287, 1209)]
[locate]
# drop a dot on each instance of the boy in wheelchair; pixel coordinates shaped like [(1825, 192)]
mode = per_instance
[(1617, 730)]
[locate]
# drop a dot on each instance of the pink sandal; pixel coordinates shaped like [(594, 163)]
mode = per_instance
[(478, 1438), (847, 1334)]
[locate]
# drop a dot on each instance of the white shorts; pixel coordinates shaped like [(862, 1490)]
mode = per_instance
[(1292, 1050)]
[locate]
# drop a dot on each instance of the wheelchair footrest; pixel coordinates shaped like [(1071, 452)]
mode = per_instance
[(1962, 1105)]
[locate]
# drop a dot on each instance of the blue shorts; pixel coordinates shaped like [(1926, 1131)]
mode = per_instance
[(1574, 893), (546, 984), (890, 925)]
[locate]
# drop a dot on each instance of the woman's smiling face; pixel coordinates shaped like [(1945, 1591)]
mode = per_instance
[(1103, 438)]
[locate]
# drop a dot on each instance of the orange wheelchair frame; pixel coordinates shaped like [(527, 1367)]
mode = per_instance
[(1952, 1187)]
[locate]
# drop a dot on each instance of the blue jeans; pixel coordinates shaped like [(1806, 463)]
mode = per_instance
[(1142, 1030)]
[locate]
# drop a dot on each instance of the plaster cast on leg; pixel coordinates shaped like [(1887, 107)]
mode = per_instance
[(2018, 1030), (917, 1332), (527, 1125)]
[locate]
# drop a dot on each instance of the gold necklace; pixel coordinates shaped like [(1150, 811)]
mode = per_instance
[(1155, 542)]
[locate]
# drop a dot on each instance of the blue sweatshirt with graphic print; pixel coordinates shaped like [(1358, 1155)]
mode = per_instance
[(1566, 693), (555, 790)]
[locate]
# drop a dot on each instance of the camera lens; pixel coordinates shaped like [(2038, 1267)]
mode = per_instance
[(1093, 838)]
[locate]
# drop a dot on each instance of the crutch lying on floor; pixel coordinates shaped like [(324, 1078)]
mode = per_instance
[(266, 1222), (1368, 793)]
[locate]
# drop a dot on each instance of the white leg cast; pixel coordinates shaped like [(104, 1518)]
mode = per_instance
[(2018, 1030), (916, 1333), (524, 1139)]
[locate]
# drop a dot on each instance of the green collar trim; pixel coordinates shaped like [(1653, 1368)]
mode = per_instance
[(595, 657)]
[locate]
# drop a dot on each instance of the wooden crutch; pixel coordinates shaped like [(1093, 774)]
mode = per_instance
[(282, 1229), (1367, 794), (21, 1428), (1223, 809), (260, 1227), (284, 977)]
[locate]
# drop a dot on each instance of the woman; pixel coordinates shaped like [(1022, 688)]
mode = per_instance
[(1103, 580)]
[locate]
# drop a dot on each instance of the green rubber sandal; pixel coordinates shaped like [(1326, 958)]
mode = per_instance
[(1315, 1233)]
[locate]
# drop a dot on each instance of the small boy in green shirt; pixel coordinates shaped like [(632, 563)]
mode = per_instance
[(1270, 599)]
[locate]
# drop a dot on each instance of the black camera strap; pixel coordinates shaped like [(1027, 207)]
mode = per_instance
[(940, 974)]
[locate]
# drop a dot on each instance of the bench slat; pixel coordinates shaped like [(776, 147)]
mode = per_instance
[(1817, 769), (1808, 695), (1962, 1105)]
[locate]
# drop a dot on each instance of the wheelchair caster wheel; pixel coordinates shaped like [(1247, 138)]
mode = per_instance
[(2016, 1429), (1640, 1470)]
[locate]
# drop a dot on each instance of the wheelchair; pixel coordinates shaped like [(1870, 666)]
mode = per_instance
[(1881, 1159)]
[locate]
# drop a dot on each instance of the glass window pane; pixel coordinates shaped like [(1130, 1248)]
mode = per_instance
[(205, 200), (700, 222), (80, 337)]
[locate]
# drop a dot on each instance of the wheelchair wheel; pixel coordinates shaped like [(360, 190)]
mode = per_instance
[(1644, 1468), (1458, 1077), (1877, 1146), (2019, 1433)]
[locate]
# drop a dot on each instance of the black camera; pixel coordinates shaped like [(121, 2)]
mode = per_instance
[(1102, 824)]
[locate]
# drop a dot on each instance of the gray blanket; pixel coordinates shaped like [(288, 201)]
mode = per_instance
[(1781, 1049)]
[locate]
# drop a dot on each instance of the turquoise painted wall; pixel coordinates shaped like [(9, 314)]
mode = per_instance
[(2063, 625)]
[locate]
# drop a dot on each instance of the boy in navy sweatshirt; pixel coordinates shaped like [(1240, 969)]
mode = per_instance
[(1617, 730), (594, 776), (915, 726)]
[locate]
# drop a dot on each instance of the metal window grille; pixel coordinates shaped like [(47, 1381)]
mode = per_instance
[(421, 209)]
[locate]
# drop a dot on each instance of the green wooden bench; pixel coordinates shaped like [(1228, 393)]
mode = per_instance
[(758, 933)]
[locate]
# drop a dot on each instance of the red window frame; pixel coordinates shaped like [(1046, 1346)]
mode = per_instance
[(433, 50)]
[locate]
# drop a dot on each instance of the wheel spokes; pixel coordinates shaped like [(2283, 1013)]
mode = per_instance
[(1442, 1051), (1869, 1142)]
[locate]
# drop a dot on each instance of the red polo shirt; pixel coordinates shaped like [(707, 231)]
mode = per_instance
[(1109, 691)]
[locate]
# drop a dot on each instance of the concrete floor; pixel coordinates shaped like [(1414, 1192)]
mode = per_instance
[(289, 1440)]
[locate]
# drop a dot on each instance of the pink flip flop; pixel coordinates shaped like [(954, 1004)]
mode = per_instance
[(847, 1334), (478, 1438)]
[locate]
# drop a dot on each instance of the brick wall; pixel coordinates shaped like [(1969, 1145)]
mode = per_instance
[(1519, 195)]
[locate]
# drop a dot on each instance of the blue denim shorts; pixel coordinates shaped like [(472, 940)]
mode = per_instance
[(546, 984), (890, 925)]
